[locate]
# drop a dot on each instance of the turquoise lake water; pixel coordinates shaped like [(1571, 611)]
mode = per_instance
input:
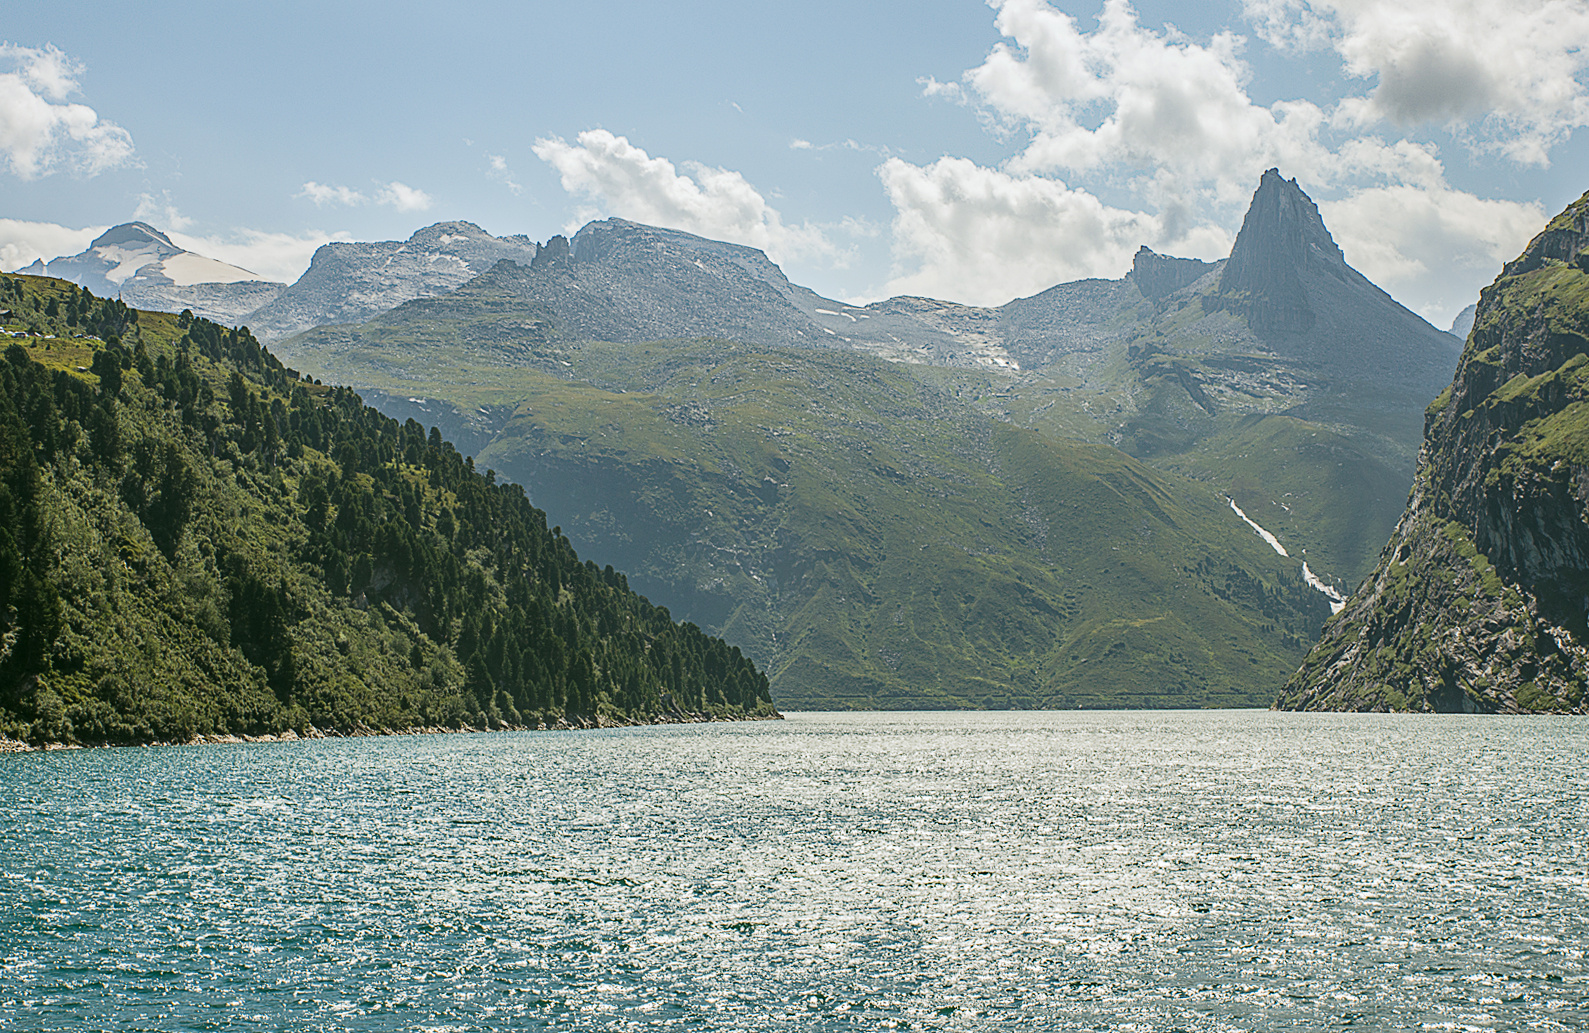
[(1051, 871)]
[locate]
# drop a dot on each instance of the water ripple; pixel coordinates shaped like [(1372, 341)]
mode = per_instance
[(1207, 872)]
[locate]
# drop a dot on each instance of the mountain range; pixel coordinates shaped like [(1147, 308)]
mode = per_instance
[(1280, 385)]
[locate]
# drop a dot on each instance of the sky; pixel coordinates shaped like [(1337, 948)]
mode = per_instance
[(963, 150)]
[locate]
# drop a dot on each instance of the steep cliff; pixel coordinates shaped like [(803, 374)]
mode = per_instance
[(1479, 600)]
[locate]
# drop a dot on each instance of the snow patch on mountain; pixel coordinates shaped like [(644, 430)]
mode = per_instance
[(1330, 592)]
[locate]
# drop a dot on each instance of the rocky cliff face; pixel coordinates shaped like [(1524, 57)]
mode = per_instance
[(1159, 275), (1282, 241), (1479, 600), (347, 282)]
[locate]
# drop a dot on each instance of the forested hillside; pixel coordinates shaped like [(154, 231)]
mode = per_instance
[(194, 540)]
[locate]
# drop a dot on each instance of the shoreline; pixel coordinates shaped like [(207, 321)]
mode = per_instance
[(562, 724)]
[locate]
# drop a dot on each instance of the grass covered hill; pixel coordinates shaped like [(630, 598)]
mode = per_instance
[(859, 527), (195, 540)]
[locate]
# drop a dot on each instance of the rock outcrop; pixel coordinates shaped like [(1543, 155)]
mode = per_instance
[(1159, 275), (1281, 241), (348, 282), (1479, 601)]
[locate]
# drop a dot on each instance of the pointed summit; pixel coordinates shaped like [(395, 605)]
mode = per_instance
[(134, 234), (1282, 241)]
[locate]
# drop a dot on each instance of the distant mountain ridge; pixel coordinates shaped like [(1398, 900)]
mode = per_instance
[(864, 529), (1269, 378), (346, 282), (144, 268), (350, 282)]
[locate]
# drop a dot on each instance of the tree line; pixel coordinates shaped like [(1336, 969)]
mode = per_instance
[(276, 554)]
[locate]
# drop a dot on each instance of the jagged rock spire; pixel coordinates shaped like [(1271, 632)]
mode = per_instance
[(1281, 238)]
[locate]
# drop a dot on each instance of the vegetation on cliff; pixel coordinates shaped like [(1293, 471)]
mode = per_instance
[(195, 540), (1479, 601)]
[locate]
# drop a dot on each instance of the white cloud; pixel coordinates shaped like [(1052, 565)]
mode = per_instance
[(39, 130), (627, 182), (1169, 120), (397, 195), (1430, 247), (403, 197), (22, 242), (1508, 71), (322, 195), (1122, 96), (500, 172), (984, 236), (160, 212)]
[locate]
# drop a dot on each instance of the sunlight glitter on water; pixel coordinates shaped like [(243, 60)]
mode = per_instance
[(1196, 871)]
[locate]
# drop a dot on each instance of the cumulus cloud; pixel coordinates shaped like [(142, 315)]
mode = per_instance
[(160, 212), (984, 236), (403, 197), (40, 130), (394, 194), (21, 242), (1169, 122), (625, 181), (1508, 71), (1124, 97), (322, 194)]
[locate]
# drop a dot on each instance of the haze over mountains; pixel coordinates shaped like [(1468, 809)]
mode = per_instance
[(1280, 379)]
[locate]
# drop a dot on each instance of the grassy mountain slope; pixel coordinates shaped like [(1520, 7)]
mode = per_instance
[(1173, 363), (195, 541), (868, 536)]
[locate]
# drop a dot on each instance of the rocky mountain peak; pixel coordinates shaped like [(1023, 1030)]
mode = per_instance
[(448, 236), (1158, 275), (1282, 239), (1565, 239), (348, 281), (554, 252), (132, 234)]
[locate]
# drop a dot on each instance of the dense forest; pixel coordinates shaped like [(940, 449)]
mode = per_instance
[(196, 540)]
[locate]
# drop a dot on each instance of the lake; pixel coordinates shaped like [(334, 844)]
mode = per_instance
[(1228, 870)]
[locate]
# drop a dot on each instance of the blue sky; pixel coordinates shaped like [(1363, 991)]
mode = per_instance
[(941, 147)]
